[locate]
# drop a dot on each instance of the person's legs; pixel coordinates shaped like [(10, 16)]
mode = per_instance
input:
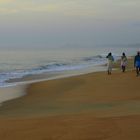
[(110, 70), (137, 70), (123, 68)]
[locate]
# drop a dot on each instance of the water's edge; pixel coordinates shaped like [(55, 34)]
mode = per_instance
[(19, 89)]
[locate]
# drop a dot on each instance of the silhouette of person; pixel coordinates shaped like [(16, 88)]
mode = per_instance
[(137, 63), (123, 62), (110, 59)]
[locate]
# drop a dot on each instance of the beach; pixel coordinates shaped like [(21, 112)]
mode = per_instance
[(92, 106), (62, 70)]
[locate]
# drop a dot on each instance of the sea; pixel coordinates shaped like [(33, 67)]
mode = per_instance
[(17, 63)]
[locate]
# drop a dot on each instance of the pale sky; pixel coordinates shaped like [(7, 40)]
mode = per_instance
[(37, 23)]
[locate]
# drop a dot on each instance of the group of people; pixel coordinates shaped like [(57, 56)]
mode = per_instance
[(123, 63)]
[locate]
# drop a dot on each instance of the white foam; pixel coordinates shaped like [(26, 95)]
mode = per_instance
[(83, 63)]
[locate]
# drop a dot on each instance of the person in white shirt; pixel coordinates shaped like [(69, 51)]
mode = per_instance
[(123, 62), (110, 59)]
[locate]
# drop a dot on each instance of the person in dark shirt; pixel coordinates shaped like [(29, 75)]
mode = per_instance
[(137, 63)]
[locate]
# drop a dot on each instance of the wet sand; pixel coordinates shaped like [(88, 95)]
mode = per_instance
[(87, 107), (12, 92)]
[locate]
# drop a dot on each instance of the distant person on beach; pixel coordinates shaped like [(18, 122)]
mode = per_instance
[(123, 62), (137, 63), (110, 59)]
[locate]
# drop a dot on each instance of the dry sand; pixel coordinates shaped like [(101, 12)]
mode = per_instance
[(87, 107)]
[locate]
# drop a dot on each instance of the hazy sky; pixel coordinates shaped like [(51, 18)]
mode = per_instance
[(37, 23)]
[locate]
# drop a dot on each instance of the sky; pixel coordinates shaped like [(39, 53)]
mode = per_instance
[(66, 23)]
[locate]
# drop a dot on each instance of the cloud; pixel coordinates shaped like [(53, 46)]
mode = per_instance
[(106, 9), (51, 6), (6, 1), (14, 6), (40, 8), (7, 11)]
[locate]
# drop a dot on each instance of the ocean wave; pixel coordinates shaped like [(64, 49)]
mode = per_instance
[(52, 67)]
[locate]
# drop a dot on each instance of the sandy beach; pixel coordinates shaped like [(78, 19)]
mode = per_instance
[(61, 70), (87, 107)]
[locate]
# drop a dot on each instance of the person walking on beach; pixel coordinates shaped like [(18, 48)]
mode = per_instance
[(110, 59), (137, 63), (123, 62)]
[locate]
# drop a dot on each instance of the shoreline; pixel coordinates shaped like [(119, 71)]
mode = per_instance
[(21, 84), (89, 106)]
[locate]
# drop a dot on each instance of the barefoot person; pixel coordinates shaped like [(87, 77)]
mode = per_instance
[(110, 63), (137, 63), (123, 62)]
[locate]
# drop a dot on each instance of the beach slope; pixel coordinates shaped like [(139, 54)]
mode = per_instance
[(87, 107)]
